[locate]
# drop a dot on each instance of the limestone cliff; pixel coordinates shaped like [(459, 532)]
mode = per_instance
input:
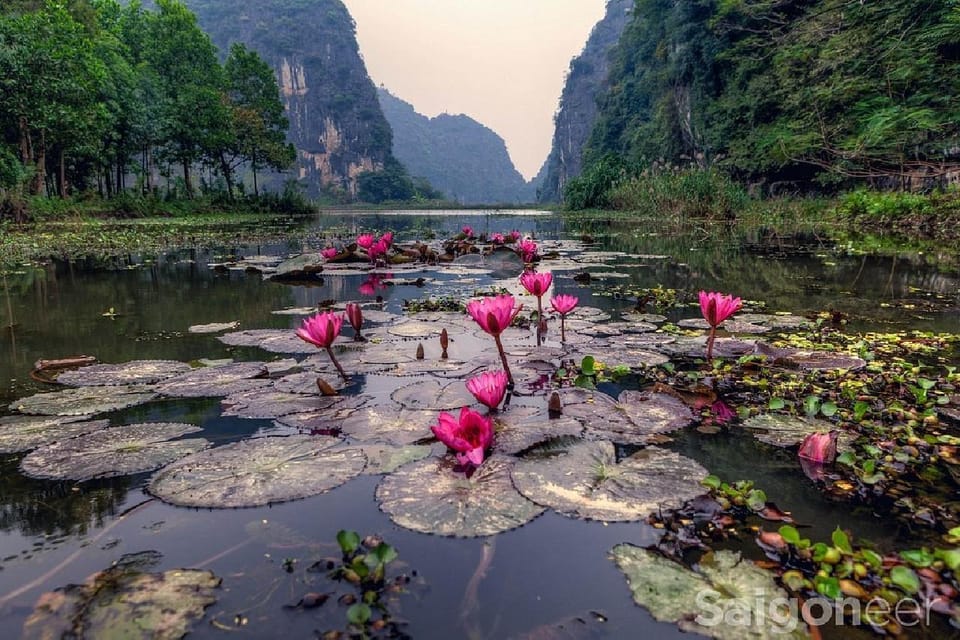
[(336, 123), (586, 80)]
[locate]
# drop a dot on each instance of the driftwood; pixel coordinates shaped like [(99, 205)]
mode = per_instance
[(47, 370)]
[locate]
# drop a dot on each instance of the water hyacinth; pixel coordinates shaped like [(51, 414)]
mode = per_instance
[(470, 435), (321, 330), (494, 315), (717, 307), (488, 388), (355, 316), (563, 304)]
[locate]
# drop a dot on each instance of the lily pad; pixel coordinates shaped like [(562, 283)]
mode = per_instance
[(117, 451), (272, 340), (221, 380), (433, 395), (431, 496), (214, 327), (389, 424), (305, 383), (726, 588), (125, 602), (414, 329), (821, 360), (256, 472), (387, 458), (22, 433), (521, 428), (654, 412), (586, 481), (134, 372), (84, 400), (329, 413), (269, 403), (696, 347), (786, 431)]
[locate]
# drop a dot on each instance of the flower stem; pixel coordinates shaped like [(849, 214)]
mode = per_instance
[(539, 320), (503, 359), (333, 359), (713, 335), (563, 327)]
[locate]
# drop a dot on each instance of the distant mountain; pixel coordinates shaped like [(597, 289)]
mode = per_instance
[(465, 160), (586, 81), (336, 123)]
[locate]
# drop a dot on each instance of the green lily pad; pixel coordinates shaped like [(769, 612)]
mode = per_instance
[(269, 403), (117, 451), (84, 400), (22, 433), (820, 360), (586, 481), (216, 381), (387, 458), (726, 588), (520, 428), (214, 327), (389, 425), (787, 431), (433, 395), (654, 412), (329, 413), (430, 496), (775, 320), (696, 347), (134, 372), (414, 329), (272, 340), (256, 472), (125, 602), (633, 419), (305, 382)]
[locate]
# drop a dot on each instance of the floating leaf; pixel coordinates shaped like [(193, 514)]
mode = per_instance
[(586, 481), (520, 428), (819, 360), (389, 424), (905, 578), (305, 383), (22, 433), (726, 588), (788, 431), (269, 403), (84, 400), (117, 451), (433, 395), (431, 496), (654, 412), (134, 372), (214, 327), (328, 414), (387, 458), (221, 380), (124, 602), (255, 472), (273, 340)]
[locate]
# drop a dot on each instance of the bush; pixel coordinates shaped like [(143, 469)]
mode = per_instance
[(680, 193), (883, 205)]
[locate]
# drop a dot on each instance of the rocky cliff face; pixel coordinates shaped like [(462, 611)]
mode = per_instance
[(459, 156), (336, 123), (586, 80)]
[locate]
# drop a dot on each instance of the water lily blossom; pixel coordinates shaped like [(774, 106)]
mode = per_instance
[(329, 253), (563, 304), (527, 250), (488, 388), (365, 241), (819, 447), (494, 315), (717, 307), (355, 316), (470, 435), (387, 238), (497, 238), (321, 330), (537, 284), (467, 231)]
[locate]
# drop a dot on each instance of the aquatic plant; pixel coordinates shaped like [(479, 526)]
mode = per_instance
[(488, 388), (467, 231), (470, 435), (365, 241), (497, 238), (355, 316), (527, 250), (321, 330), (494, 315), (537, 284), (563, 304), (819, 447), (717, 307), (329, 253)]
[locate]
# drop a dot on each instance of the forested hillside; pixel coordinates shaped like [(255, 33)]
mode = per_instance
[(100, 97), (785, 95), (459, 156)]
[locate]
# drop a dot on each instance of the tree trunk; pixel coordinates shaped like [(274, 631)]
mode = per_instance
[(227, 175), (256, 192), (62, 174), (186, 178), (40, 177), (26, 153)]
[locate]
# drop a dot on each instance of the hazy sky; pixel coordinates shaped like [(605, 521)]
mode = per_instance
[(501, 62)]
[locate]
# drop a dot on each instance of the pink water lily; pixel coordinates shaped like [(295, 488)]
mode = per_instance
[(321, 330), (722, 413), (387, 238), (329, 253), (488, 388), (537, 284), (494, 315), (497, 238), (467, 231), (366, 240), (717, 307), (527, 250), (470, 436), (514, 235), (563, 304), (819, 447), (377, 249), (355, 316)]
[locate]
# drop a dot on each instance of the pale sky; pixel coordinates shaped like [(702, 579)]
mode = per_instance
[(501, 62)]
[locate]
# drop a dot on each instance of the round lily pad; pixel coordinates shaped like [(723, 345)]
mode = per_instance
[(117, 451), (255, 472), (387, 458), (431, 496), (214, 327), (84, 400), (270, 403), (22, 433), (221, 380), (433, 395), (521, 428), (726, 588), (654, 412), (125, 602), (775, 320), (305, 383), (389, 424), (329, 413), (820, 360), (414, 329), (786, 431), (586, 481), (272, 340), (134, 372), (696, 347)]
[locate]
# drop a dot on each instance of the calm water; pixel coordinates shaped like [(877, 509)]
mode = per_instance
[(53, 534)]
